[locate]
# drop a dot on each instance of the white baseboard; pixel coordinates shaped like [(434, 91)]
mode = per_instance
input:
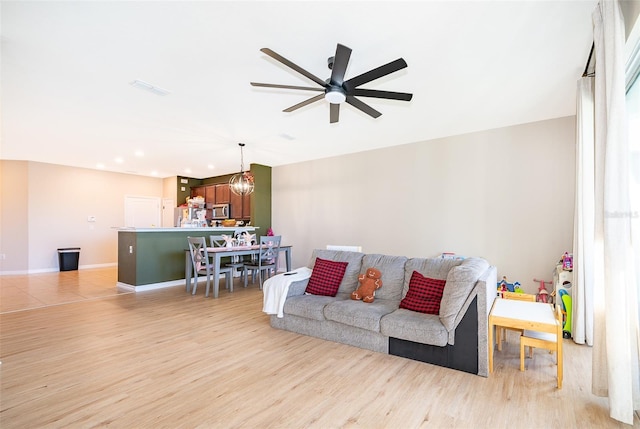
[(150, 286), (54, 269), (161, 285)]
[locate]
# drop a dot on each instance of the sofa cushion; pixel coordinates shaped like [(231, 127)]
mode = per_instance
[(308, 306), (326, 277), (413, 326), (424, 294), (460, 282), (359, 314), (392, 269), (350, 280), (434, 268)]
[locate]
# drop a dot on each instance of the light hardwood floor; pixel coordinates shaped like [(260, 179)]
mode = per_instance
[(166, 359)]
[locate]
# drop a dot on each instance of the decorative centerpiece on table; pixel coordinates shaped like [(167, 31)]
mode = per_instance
[(229, 241), (248, 238)]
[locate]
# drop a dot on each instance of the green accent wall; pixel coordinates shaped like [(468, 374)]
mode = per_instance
[(181, 196), (261, 198)]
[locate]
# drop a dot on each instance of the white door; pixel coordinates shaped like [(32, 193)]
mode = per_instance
[(142, 212), (168, 207)]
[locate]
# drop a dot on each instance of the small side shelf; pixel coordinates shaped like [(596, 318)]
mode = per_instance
[(562, 279)]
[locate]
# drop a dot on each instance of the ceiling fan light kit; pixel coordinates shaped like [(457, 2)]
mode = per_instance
[(335, 96), (336, 89)]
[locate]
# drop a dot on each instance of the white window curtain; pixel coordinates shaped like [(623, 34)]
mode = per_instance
[(583, 235), (605, 267)]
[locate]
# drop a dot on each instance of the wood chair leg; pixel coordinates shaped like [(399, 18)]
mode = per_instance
[(522, 355)]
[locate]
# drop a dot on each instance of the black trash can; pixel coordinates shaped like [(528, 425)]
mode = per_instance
[(68, 258)]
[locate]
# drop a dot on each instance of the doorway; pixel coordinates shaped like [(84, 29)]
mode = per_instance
[(141, 212)]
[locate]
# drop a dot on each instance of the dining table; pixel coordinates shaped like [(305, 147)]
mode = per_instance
[(217, 253)]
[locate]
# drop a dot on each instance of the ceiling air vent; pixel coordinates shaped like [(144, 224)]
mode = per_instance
[(148, 87)]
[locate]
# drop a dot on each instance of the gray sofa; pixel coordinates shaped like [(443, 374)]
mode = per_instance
[(456, 338)]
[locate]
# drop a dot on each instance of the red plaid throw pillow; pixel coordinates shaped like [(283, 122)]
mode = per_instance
[(424, 294), (326, 277)]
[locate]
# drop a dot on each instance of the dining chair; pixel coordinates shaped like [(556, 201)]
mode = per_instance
[(219, 241), (501, 331), (216, 241), (202, 265), (544, 340), (266, 261), (237, 262)]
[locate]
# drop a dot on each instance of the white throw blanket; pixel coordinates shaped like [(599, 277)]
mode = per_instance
[(275, 290)]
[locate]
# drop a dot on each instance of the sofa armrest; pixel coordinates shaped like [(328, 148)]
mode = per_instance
[(485, 290), (486, 296)]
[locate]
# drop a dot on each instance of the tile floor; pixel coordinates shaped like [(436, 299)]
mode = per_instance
[(25, 292)]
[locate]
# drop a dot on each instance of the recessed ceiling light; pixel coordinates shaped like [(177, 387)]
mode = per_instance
[(119, 160), (100, 166), (149, 87), (154, 173), (139, 153), (210, 167), (187, 170)]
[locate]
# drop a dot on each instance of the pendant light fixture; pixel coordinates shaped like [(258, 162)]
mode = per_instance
[(241, 183)]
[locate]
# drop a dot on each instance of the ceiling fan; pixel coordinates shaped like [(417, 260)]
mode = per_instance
[(336, 90)]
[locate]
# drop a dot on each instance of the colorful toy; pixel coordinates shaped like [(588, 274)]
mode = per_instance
[(565, 298), (567, 261), (517, 288), (543, 294), (502, 287), (369, 283), (505, 286)]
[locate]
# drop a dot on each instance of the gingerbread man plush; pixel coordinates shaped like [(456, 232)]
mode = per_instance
[(369, 282)]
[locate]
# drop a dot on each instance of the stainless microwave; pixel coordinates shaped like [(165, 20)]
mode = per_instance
[(219, 211)]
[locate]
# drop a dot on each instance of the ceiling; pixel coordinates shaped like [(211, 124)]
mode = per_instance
[(472, 65)]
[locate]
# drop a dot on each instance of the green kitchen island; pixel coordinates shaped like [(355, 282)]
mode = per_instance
[(153, 258)]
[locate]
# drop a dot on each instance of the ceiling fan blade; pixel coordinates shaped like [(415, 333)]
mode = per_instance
[(293, 66), (274, 85), (304, 103), (340, 62), (374, 74), (361, 92), (334, 113), (363, 106)]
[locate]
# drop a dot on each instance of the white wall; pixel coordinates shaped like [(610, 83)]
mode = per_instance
[(46, 206), (506, 195)]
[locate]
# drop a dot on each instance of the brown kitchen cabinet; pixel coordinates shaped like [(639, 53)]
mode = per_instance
[(240, 206), (198, 191), (222, 194), (246, 206), (210, 194), (235, 202)]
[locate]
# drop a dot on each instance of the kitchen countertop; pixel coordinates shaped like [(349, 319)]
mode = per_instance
[(175, 229)]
